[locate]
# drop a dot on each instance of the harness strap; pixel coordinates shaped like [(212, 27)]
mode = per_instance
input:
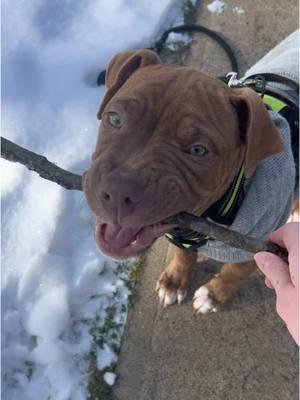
[(221, 212), (224, 210), (273, 103), (187, 239)]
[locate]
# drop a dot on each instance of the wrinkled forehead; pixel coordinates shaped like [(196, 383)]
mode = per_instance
[(180, 93)]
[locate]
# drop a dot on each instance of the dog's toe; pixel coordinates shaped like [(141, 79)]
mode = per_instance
[(168, 297), (202, 302), (181, 295)]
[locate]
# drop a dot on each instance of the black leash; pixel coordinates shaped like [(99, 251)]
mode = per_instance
[(159, 45), (274, 78)]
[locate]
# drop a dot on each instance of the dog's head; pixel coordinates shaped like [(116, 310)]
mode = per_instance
[(171, 139)]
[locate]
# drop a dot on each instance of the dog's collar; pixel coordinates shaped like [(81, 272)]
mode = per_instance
[(223, 212)]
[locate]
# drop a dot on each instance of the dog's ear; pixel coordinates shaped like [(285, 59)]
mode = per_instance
[(257, 130), (121, 67)]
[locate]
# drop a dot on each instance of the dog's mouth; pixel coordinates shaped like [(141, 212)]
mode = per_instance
[(123, 242)]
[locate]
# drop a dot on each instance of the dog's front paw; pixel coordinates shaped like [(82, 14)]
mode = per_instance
[(174, 281), (168, 297), (203, 302), (171, 288)]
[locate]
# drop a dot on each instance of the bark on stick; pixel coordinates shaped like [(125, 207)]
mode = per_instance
[(37, 163)]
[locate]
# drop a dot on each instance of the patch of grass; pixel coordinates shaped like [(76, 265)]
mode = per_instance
[(110, 331), (132, 277), (98, 389)]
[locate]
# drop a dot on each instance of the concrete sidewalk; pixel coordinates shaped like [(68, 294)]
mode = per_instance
[(243, 352)]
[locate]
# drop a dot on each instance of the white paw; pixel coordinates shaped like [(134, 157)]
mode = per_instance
[(168, 297), (202, 302)]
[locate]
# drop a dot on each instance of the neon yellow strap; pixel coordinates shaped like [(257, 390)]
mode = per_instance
[(273, 103), (185, 245), (233, 196), (229, 204)]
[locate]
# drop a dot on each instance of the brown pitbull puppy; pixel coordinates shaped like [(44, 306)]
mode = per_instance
[(171, 139)]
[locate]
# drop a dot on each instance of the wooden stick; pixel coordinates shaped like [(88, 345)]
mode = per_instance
[(37, 163), (47, 170), (227, 236)]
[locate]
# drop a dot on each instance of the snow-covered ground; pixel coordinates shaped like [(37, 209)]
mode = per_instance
[(216, 6), (63, 303)]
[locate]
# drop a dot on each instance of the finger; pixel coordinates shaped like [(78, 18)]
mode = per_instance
[(268, 283), (287, 236), (275, 269)]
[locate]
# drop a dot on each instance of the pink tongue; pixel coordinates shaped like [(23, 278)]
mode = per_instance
[(117, 236)]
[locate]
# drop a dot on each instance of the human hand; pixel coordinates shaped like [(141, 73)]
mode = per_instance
[(282, 277)]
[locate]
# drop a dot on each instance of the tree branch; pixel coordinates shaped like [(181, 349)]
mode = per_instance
[(35, 162), (231, 238)]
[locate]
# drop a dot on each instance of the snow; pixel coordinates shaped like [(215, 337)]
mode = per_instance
[(109, 378), (62, 301), (11, 176), (177, 18), (105, 357), (216, 6), (238, 10)]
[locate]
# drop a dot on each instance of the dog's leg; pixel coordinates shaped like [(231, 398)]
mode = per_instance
[(173, 282), (222, 287)]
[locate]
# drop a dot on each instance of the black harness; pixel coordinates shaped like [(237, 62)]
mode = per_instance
[(223, 212)]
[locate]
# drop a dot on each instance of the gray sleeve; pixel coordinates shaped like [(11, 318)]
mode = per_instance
[(283, 59)]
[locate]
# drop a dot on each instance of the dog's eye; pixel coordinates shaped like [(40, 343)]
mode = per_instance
[(114, 120), (198, 150)]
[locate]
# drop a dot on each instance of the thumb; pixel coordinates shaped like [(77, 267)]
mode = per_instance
[(275, 269)]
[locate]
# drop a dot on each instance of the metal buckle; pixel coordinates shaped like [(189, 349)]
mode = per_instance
[(233, 81), (258, 83)]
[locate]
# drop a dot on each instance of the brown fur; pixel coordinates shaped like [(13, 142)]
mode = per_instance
[(177, 275), (164, 109)]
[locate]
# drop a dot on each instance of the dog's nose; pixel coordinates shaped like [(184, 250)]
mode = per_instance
[(120, 195)]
